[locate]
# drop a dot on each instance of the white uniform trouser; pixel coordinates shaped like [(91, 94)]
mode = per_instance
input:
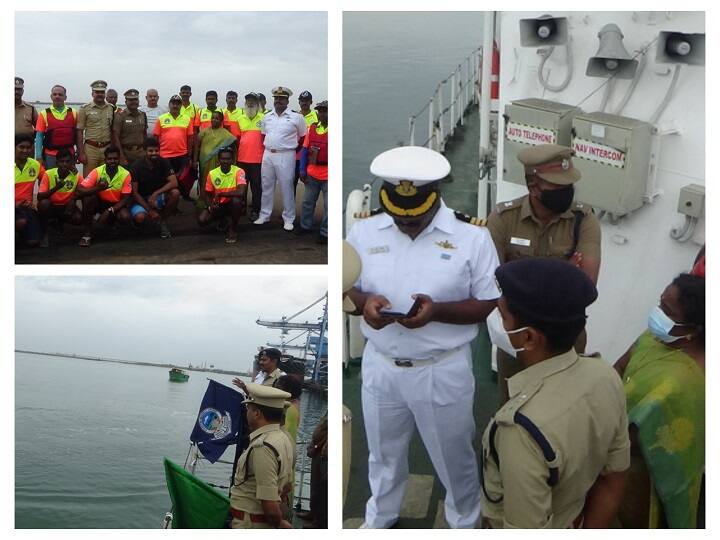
[(438, 398), (278, 167)]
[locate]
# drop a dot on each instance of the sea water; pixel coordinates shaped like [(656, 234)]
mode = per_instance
[(392, 63), (90, 438)]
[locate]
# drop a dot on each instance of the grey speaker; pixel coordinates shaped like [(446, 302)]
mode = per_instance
[(679, 48), (545, 30), (611, 59)]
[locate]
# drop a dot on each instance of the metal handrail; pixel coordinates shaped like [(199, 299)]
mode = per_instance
[(462, 83), (299, 485)]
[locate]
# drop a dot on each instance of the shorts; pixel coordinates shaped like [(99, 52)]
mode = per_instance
[(136, 209), (57, 211), (222, 209), (32, 231)]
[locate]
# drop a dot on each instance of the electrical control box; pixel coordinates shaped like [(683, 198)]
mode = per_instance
[(692, 200), (613, 155), (529, 122)]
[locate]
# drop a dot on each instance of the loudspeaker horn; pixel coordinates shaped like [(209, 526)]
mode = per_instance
[(543, 31), (679, 48), (611, 59)]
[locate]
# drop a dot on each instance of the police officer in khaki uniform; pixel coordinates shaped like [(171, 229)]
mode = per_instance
[(130, 129), (555, 455), (94, 127), (545, 223), (25, 114), (264, 471)]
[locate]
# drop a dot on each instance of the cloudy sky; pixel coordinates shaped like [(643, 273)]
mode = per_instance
[(160, 319), (242, 51)]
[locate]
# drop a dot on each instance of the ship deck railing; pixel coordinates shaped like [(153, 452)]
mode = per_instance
[(301, 495), (446, 109)]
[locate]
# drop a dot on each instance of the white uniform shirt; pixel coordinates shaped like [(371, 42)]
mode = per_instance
[(283, 132), (261, 376), (450, 261)]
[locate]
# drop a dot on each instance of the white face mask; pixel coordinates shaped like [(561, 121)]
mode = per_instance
[(499, 336)]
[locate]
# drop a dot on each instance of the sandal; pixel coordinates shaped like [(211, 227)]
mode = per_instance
[(85, 241), (231, 238)]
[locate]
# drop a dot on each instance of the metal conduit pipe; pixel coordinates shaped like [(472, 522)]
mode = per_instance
[(677, 233), (609, 87), (668, 96), (641, 66), (690, 232), (546, 53)]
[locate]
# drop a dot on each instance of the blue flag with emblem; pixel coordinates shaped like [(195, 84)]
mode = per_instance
[(220, 421)]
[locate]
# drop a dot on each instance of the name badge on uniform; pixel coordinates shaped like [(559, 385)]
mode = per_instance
[(519, 241), (379, 249)]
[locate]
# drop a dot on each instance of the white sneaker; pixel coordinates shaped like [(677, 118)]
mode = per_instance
[(288, 226), (259, 221)]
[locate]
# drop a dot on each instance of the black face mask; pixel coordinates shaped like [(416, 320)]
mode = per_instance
[(557, 200)]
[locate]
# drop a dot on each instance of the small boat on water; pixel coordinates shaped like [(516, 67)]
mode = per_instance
[(178, 375)]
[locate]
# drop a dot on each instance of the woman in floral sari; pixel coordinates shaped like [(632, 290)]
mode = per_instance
[(664, 378), (207, 145)]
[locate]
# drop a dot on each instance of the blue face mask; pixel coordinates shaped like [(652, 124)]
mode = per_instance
[(660, 326)]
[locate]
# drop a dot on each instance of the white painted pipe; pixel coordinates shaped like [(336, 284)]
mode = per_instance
[(487, 51)]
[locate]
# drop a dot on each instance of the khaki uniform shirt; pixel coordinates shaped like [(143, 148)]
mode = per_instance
[(96, 121), (517, 233), (25, 116), (130, 128), (261, 474), (578, 404)]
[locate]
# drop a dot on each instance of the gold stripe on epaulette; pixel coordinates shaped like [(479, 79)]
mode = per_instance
[(480, 222)]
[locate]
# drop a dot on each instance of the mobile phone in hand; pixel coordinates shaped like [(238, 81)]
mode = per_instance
[(400, 315)]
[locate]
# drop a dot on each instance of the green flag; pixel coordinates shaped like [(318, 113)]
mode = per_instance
[(196, 505)]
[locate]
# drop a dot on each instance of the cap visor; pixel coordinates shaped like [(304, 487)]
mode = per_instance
[(561, 178)]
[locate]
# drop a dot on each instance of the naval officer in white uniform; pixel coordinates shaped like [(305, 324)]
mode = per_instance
[(417, 369), (283, 131)]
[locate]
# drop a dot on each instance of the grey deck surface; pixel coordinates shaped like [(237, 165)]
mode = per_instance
[(264, 244)]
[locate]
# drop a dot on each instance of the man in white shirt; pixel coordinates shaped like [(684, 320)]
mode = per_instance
[(268, 360), (283, 132), (417, 362), (152, 110)]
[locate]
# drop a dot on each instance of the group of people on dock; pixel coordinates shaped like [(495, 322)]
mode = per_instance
[(261, 495), (574, 442), (139, 162)]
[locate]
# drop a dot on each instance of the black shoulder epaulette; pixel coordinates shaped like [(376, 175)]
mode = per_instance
[(480, 222), (545, 447), (365, 214)]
